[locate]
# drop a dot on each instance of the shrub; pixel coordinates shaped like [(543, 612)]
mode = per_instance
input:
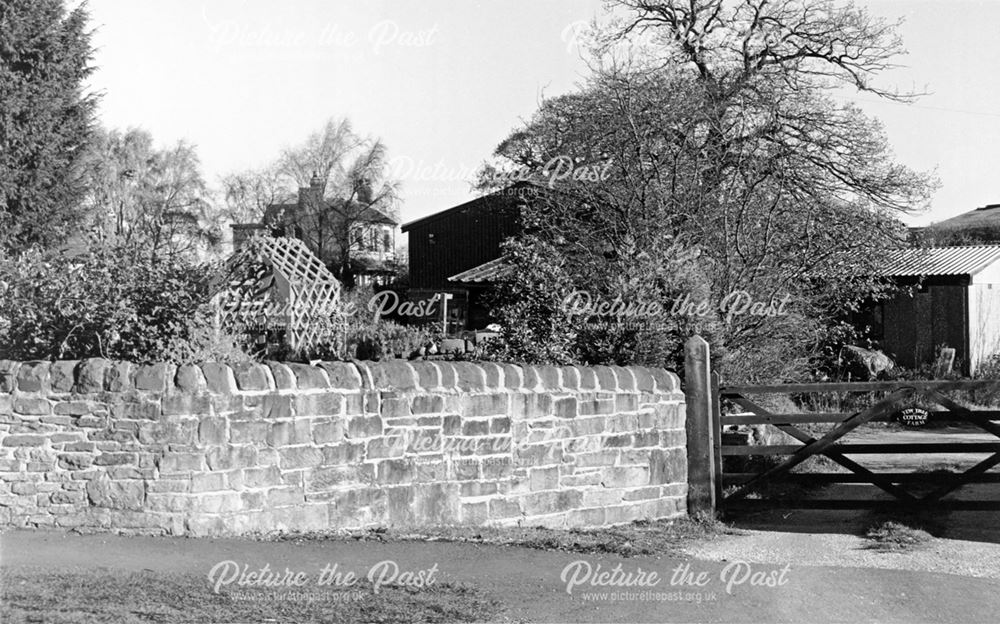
[(199, 339), (111, 301)]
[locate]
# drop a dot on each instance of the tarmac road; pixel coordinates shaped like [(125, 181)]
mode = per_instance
[(529, 581)]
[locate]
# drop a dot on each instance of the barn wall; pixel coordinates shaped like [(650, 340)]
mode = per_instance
[(984, 316), (915, 326), (460, 240)]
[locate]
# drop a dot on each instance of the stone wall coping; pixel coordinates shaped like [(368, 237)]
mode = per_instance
[(95, 375)]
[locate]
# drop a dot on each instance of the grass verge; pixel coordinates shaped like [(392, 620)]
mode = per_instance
[(659, 537), (893, 536), (143, 597)]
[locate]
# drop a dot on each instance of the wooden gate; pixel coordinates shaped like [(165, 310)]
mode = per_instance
[(753, 485)]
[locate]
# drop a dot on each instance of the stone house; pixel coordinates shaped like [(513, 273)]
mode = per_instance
[(356, 241)]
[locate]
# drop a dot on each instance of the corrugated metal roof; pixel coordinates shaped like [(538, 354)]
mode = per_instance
[(486, 272), (931, 261)]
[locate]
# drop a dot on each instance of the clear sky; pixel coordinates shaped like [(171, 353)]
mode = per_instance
[(443, 81)]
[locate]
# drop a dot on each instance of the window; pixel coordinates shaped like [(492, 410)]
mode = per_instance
[(387, 240)]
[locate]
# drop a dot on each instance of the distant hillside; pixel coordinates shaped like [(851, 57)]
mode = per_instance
[(978, 226)]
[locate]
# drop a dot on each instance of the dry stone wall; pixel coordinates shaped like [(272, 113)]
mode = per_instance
[(258, 448)]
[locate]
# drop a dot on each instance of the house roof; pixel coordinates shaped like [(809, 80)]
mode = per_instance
[(477, 204), (366, 214), (940, 261), (486, 272)]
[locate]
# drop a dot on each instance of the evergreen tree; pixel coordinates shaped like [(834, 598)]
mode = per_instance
[(46, 120)]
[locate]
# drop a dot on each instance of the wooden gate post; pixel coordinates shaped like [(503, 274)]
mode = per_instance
[(699, 426)]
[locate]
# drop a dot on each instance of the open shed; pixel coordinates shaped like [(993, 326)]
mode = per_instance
[(955, 303)]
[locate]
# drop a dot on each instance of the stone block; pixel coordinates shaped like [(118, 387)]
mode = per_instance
[(436, 503), (118, 376), (618, 440), (116, 494), (154, 377), (626, 403), (8, 375), (248, 431), (71, 408), (184, 404), (295, 457), (428, 375), (476, 427), (550, 377), (231, 457), (115, 459), (469, 377), (580, 518), (664, 380), (24, 440), (208, 482), (217, 503), (342, 454), (284, 378), (62, 375), (283, 496), (75, 461), (172, 431), (393, 375), (478, 488), (33, 377), (342, 375), (135, 408), (32, 406), (212, 431), (189, 378), (476, 514), (319, 404), (513, 376), (364, 426), (219, 378), (178, 462), (326, 478), (626, 379), (277, 406), (565, 407), (383, 448), (606, 379), (543, 478), (308, 377), (487, 405), (668, 466), (261, 476), (251, 376), (289, 432), (500, 509), (427, 404)]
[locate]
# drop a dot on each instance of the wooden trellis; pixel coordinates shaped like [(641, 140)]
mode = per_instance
[(274, 284)]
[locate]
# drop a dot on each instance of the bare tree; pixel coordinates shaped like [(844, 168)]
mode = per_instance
[(152, 197), (730, 169), (350, 191)]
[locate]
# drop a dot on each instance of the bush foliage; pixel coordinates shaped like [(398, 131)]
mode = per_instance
[(111, 301)]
